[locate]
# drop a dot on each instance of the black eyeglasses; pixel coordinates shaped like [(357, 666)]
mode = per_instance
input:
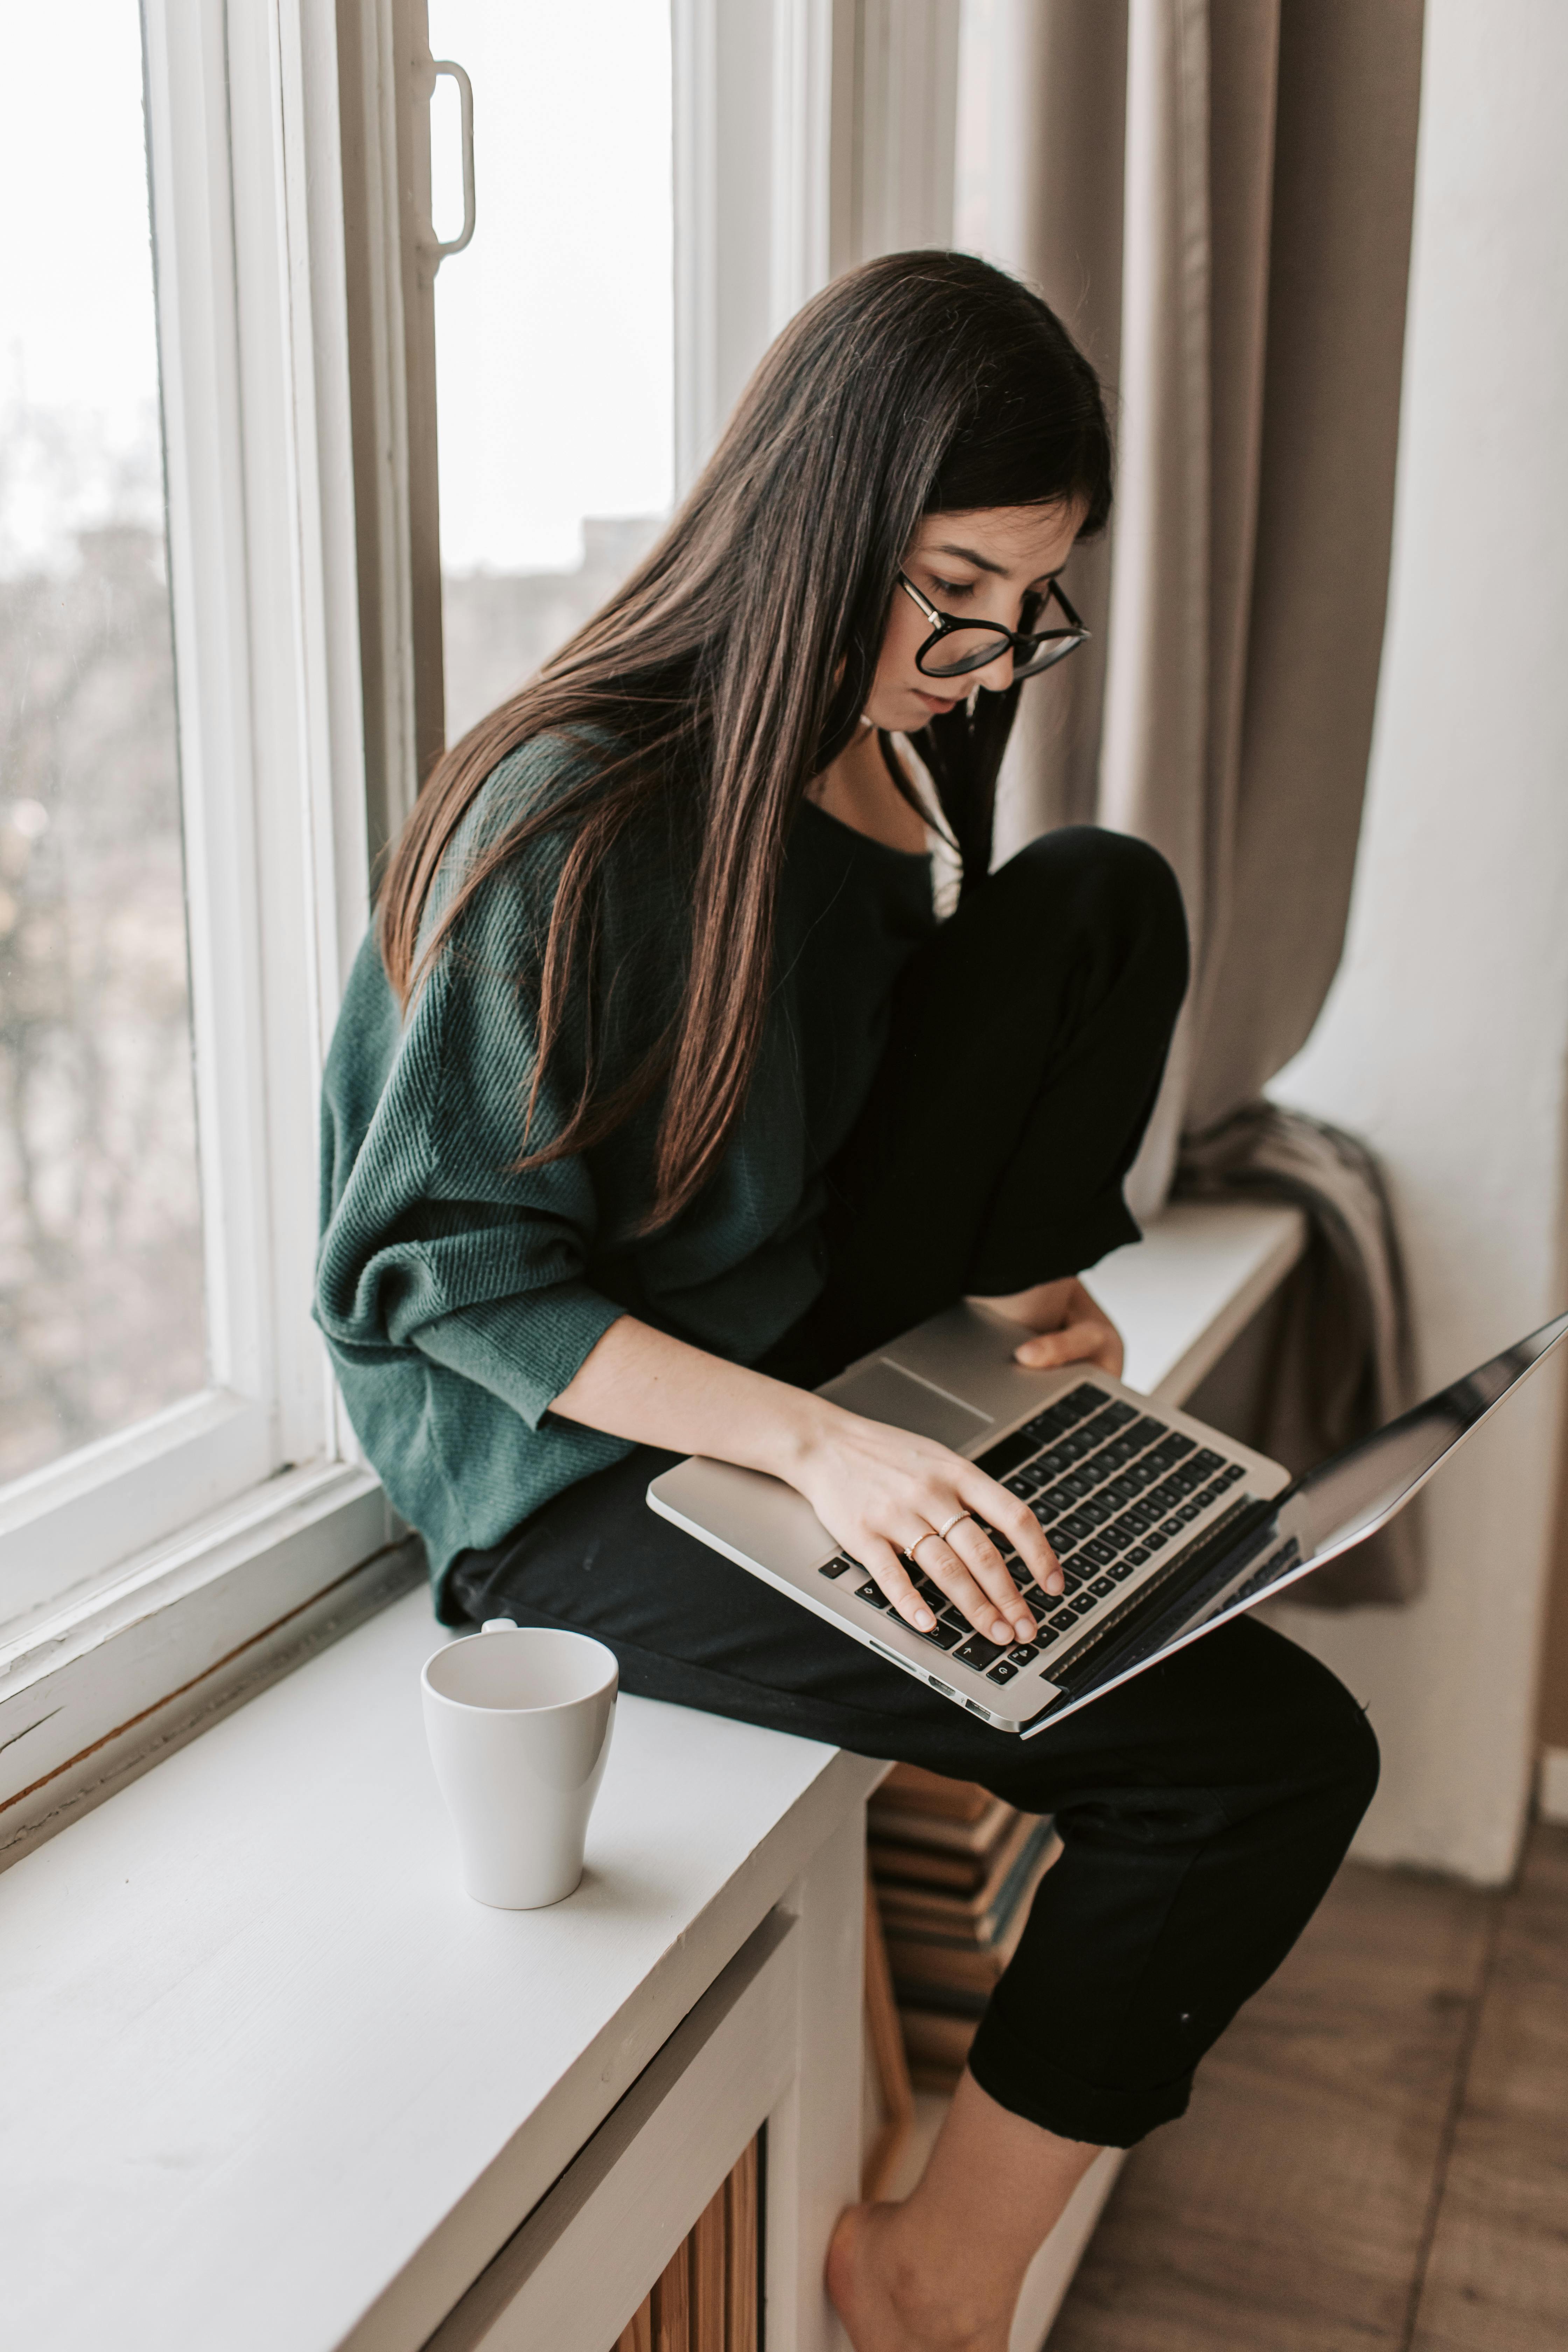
[(955, 647)]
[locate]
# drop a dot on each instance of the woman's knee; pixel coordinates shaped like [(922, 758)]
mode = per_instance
[(1320, 1737), (1120, 887), (1359, 1756)]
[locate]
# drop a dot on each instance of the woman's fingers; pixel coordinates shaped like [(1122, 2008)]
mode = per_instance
[(1018, 1525), (1009, 1619), (1086, 1336), (1091, 1341), (889, 1571), (945, 1566)]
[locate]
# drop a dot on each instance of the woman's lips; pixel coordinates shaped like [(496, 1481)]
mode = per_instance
[(937, 701)]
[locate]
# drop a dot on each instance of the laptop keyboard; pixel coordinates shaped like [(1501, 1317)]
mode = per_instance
[(1110, 1486)]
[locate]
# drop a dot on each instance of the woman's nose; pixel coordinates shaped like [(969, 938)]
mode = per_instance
[(997, 676)]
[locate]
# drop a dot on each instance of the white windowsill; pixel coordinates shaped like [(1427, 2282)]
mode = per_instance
[(114, 1677), (253, 2090)]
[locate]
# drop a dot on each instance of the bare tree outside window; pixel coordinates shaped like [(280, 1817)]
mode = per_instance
[(101, 1310)]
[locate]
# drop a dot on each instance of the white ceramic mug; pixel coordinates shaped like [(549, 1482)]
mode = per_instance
[(519, 1720)]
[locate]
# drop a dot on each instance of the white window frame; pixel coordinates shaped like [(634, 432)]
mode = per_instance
[(809, 135), (168, 1571), (150, 1565)]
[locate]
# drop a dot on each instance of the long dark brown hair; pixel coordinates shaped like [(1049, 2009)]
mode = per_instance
[(731, 667)]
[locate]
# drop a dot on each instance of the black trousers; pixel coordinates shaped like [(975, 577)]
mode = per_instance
[(1204, 1807)]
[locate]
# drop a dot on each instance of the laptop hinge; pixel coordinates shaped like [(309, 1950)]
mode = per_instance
[(1161, 1604)]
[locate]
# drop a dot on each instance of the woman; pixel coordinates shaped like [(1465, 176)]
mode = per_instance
[(662, 1094)]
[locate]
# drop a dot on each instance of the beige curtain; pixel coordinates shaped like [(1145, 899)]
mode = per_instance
[(1216, 196)]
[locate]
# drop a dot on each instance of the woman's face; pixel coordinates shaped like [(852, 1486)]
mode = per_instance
[(977, 567)]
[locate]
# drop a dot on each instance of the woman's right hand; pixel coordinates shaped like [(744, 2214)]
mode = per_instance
[(885, 1495)]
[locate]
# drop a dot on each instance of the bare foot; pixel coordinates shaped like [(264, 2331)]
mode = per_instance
[(873, 2290)]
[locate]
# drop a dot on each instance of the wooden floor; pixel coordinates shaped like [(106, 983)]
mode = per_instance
[(1377, 2152)]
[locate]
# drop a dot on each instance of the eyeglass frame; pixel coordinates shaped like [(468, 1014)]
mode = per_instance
[(1025, 643)]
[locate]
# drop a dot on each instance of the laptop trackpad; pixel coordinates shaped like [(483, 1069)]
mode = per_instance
[(882, 1392)]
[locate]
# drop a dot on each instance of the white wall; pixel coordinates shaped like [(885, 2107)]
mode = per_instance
[(1446, 1036)]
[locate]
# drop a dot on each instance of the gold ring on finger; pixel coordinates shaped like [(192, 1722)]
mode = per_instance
[(911, 1550), (945, 1532)]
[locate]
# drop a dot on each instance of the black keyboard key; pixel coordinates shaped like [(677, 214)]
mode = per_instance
[(1045, 1637), (1064, 1620), (1122, 1568), (1020, 1483), (1082, 1604), (1172, 1526), (836, 1567), (1233, 1471), (873, 1593), (1155, 1542), (1002, 1671), (1189, 1512), (1210, 1494), (1095, 1512), (1207, 1462), (1073, 1531), (1101, 1551), (1023, 1654), (1102, 1585), (978, 1651), (939, 1636), (1136, 1558), (1081, 1401), (1121, 1490)]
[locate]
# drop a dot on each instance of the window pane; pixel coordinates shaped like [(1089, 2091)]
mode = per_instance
[(555, 329), (100, 1269)]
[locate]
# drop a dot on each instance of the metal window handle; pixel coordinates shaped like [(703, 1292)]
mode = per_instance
[(435, 250)]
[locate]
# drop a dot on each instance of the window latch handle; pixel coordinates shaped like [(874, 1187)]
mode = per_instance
[(435, 250)]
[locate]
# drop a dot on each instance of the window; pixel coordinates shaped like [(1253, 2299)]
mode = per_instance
[(101, 1307), (555, 329), (185, 873)]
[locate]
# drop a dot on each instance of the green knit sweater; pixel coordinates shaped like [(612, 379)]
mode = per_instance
[(459, 1298)]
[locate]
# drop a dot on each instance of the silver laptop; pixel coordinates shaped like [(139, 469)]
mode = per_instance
[(1164, 1529)]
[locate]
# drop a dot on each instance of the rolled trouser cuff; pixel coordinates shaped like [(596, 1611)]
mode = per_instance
[(1028, 2085)]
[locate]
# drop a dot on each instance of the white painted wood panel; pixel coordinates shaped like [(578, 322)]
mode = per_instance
[(586, 2258), (271, 2073)]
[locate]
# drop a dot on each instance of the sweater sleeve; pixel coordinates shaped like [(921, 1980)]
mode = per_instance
[(432, 1240)]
